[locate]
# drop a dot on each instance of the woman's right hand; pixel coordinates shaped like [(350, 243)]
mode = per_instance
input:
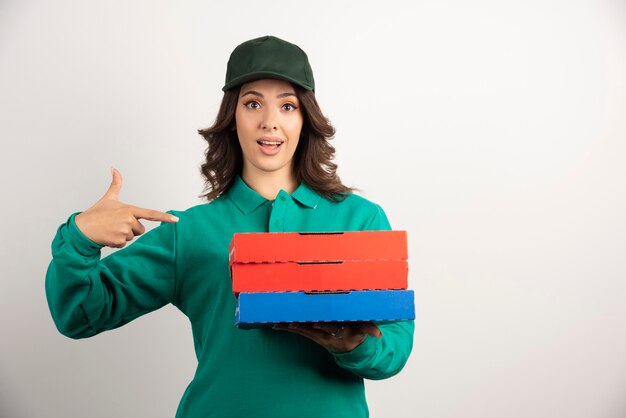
[(112, 223)]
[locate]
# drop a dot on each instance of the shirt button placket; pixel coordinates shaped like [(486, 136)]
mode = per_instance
[(277, 220)]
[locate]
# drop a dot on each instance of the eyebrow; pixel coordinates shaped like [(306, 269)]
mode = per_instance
[(280, 96)]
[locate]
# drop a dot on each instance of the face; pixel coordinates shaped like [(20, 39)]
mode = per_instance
[(268, 122)]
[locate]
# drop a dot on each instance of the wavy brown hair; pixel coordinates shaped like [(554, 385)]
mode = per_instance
[(312, 160)]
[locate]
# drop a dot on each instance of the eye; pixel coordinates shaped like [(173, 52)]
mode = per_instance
[(252, 104), (289, 107)]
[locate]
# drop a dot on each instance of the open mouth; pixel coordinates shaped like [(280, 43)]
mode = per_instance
[(269, 144)]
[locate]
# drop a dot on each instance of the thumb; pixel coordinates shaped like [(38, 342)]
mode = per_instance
[(370, 328), (116, 186)]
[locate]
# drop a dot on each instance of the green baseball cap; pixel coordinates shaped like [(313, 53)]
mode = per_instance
[(269, 57)]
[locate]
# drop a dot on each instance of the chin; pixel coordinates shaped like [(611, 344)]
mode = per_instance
[(271, 167)]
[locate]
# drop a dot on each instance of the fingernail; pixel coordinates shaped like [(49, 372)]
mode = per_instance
[(174, 218)]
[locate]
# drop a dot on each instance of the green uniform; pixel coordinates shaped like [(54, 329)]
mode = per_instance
[(253, 373)]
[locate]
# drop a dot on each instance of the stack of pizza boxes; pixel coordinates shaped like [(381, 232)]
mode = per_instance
[(316, 277)]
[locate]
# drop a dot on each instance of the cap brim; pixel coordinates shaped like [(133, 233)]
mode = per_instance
[(264, 74)]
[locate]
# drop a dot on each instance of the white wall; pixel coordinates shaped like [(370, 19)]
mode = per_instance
[(494, 132)]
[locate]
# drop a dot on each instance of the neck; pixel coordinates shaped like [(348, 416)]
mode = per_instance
[(268, 184)]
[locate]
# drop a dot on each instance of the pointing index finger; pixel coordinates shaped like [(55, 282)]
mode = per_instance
[(153, 215)]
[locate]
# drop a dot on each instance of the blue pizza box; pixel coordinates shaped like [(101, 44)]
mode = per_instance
[(266, 308)]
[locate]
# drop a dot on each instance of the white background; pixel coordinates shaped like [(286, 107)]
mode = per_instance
[(493, 131)]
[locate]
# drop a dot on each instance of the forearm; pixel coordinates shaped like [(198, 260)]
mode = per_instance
[(87, 295), (70, 281), (380, 358)]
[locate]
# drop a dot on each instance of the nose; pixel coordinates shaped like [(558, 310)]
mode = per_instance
[(269, 121)]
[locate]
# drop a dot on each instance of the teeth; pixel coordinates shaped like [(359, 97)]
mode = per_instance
[(270, 142)]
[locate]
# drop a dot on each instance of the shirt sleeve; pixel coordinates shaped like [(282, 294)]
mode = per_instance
[(87, 295), (380, 358)]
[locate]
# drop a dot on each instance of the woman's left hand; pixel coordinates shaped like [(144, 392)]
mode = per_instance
[(336, 337)]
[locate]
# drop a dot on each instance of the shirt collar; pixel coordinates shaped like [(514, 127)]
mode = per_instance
[(307, 196), (247, 200)]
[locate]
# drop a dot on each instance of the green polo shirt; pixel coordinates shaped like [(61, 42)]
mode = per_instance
[(241, 373)]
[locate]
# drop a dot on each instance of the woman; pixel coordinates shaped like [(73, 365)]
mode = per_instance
[(268, 169)]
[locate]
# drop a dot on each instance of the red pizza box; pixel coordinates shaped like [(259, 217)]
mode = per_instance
[(292, 261), (307, 277)]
